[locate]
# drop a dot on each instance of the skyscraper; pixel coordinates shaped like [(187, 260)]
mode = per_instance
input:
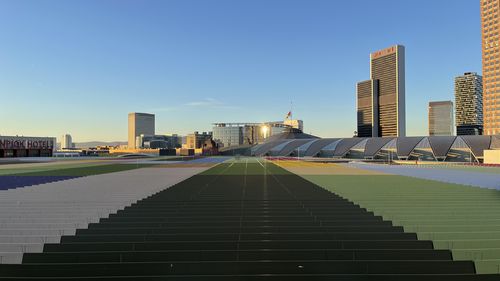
[(367, 108), (381, 100), (440, 118), (490, 25), (388, 67), (469, 104), (139, 124)]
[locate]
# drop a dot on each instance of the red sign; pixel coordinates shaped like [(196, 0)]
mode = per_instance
[(384, 52)]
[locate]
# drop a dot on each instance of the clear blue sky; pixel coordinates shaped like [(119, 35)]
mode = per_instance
[(80, 66)]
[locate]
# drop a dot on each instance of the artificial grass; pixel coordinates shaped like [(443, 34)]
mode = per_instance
[(246, 166), (461, 218)]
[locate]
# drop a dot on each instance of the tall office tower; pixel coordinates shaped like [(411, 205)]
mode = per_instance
[(367, 108), (139, 124), (388, 67), (387, 87), (490, 25), (66, 141), (440, 118), (469, 104)]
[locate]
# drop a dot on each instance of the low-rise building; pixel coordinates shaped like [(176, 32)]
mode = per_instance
[(157, 141), (196, 140), (15, 146), (236, 134)]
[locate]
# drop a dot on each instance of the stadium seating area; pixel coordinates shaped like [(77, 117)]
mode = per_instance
[(34, 215), (248, 219), (242, 221), (463, 219)]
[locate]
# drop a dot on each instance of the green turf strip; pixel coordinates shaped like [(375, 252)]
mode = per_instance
[(246, 166), (461, 218), (84, 171)]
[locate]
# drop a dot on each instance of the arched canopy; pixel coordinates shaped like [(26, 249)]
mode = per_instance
[(373, 145)]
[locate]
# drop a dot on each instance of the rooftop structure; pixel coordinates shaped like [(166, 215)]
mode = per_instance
[(433, 148)]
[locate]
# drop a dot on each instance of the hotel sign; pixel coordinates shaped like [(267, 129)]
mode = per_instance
[(26, 143), (384, 52)]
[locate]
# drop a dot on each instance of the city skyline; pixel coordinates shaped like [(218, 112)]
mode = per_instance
[(220, 65)]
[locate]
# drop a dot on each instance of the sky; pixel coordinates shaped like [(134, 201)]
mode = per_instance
[(81, 66)]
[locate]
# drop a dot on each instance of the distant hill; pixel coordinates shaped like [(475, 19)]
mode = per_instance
[(96, 143)]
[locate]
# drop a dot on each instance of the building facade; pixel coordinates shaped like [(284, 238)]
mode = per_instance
[(229, 134), (367, 108), (11, 146), (490, 26), (387, 66), (67, 142), (381, 100), (139, 124), (440, 118), (235, 134), (469, 104), (196, 140), (158, 141)]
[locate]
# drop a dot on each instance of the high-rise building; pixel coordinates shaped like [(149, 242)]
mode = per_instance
[(469, 104), (367, 108), (381, 100), (388, 67), (66, 142), (440, 118), (490, 26), (139, 124)]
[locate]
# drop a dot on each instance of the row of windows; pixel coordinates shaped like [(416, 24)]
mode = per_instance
[(488, 2), (490, 95), (491, 52), (490, 14), (486, 11), (492, 55), (490, 45), (491, 101), (492, 63), (490, 26), (488, 57), (490, 80), (491, 68), (489, 86)]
